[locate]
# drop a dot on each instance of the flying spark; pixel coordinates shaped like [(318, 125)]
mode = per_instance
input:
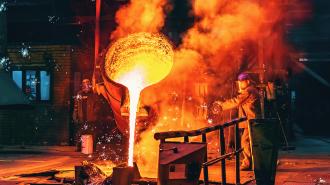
[(53, 19), (25, 51), (5, 63), (3, 7), (4, 60)]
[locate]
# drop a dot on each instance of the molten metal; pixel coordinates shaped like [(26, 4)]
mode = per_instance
[(137, 61)]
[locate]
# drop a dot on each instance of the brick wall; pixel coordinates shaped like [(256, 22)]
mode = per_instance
[(49, 122)]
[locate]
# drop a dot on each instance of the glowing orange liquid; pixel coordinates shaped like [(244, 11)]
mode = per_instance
[(138, 61), (134, 101), (134, 82)]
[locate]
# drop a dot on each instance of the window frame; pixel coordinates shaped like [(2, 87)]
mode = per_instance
[(38, 69)]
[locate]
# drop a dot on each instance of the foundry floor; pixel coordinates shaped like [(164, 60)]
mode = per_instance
[(309, 164)]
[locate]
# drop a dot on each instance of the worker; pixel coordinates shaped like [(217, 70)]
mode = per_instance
[(248, 104), (91, 115)]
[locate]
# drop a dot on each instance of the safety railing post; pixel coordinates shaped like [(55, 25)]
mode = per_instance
[(162, 136), (223, 152), (237, 147), (205, 167)]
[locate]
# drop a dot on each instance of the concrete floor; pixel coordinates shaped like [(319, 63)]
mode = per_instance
[(16, 161), (309, 164)]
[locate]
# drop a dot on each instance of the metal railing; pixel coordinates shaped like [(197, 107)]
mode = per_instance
[(162, 136)]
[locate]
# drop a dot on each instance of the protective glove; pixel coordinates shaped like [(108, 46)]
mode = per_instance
[(216, 107)]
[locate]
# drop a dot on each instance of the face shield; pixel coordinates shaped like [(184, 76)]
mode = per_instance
[(242, 85), (86, 85)]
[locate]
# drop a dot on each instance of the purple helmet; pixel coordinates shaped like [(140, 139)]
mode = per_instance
[(243, 76)]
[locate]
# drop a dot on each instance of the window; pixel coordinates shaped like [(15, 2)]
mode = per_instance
[(31, 84), (34, 83), (17, 77), (44, 85)]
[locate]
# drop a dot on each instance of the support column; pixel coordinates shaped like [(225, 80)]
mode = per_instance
[(3, 31)]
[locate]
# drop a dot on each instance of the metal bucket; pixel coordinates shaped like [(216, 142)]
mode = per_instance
[(87, 144)]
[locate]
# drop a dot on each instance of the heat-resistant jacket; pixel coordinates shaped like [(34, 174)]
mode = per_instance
[(97, 108), (248, 104)]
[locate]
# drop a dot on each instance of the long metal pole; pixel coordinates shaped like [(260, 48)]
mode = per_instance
[(96, 73), (97, 30)]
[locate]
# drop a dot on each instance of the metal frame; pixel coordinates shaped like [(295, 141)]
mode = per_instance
[(37, 67), (162, 136)]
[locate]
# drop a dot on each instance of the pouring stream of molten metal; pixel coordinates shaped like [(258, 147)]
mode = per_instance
[(138, 61), (134, 82), (134, 101)]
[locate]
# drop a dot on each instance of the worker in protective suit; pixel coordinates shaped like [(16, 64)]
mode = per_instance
[(91, 115), (248, 104)]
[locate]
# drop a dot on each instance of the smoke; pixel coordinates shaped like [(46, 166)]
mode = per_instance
[(218, 29), (227, 38), (140, 16)]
